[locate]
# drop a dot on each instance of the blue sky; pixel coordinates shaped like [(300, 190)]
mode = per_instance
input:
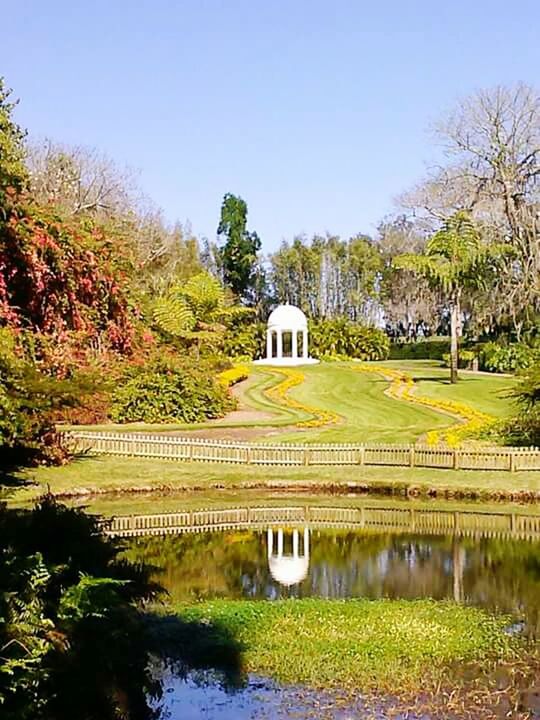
[(317, 113)]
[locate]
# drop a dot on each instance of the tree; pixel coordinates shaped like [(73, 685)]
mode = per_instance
[(492, 143), (328, 277), (196, 311), (239, 249), (405, 297), (13, 175), (455, 258), (79, 180)]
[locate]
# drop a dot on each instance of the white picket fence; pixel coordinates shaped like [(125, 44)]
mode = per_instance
[(153, 445)]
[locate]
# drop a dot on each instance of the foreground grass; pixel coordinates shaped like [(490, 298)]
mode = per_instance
[(393, 646), (95, 475)]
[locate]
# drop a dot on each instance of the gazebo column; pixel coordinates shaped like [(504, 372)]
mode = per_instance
[(279, 344), (294, 343), (269, 344), (270, 542), (295, 543), (280, 543), (305, 344)]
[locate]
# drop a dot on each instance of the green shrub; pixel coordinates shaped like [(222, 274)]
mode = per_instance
[(420, 350), (524, 428), (165, 393), (466, 358), (245, 341), (343, 339), (29, 401), (508, 358)]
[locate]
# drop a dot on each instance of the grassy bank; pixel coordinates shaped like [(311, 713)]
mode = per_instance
[(97, 475), (386, 646)]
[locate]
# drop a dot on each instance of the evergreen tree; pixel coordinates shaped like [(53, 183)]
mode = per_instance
[(239, 249)]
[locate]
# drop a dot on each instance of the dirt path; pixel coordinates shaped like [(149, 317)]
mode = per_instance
[(242, 415)]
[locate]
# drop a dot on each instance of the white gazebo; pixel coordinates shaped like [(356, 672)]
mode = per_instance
[(289, 325), (288, 569)]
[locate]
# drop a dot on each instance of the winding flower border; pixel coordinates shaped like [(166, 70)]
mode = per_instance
[(402, 387), (279, 394)]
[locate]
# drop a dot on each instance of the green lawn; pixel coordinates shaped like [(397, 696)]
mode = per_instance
[(382, 646), (367, 414), (115, 474), (482, 391)]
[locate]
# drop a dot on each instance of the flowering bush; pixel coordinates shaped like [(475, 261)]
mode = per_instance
[(233, 375), (66, 280)]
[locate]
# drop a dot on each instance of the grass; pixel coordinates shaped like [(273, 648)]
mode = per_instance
[(109, 505), (367, 414), (485, 392), (103, 474), (393, 646)]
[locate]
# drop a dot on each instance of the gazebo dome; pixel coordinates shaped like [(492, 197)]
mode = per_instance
[(287, 317)]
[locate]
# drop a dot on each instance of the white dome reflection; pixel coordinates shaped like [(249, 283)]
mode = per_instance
[(288, 568)]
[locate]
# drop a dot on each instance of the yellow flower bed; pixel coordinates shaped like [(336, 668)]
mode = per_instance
[(234, 375), (402, 388), (279, 394)]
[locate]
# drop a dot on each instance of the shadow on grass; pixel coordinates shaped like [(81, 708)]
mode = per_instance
[(10, 474), (188, 645)]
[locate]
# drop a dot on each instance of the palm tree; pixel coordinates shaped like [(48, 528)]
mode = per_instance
[(196, 311), (455, 258)]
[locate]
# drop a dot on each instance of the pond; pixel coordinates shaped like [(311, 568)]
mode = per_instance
[(360, 549)]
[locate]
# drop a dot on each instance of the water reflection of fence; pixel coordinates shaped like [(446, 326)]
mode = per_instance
[(197, 449), (388, 519)]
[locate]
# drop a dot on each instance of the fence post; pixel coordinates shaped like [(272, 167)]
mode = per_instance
[(457, 456), (306, 456), (512, 461), (361, 455), (411, 456)]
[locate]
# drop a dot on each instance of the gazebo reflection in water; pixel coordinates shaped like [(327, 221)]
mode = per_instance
[(288, 568)]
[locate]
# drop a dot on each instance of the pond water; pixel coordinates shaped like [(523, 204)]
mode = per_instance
[(502, 575), (496, 570)]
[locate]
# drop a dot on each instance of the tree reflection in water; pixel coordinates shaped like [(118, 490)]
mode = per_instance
[(497, 574)]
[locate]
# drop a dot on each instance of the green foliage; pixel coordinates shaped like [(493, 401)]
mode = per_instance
[(508, 358), (524, 428), (345, 339), (71, 634), (420, 350), (466, 358), (28, 400), (456, 259), (196, 311), (455, 256), (13, 174), (166, 392), (239, 249), (328, 277), (245, 341)]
